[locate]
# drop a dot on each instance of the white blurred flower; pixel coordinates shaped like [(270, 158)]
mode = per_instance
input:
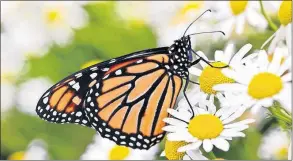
[(30, 92), (216, 130), (37, 150), (209, 76), (235, 14), (274, 145), (34, 26), (12, 60), (284, 32), (104, 149), (261, 82), (8, 92), (60, 18), (169, 19)]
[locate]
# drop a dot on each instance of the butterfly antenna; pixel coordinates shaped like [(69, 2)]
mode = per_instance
[(196, 20), (197, 33)]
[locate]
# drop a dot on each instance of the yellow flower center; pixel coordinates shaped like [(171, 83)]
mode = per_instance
[(171, 148), (205, 126), (90, 63), (285, 12), (17, 156), (119, 153), (212, 76), (264, 85), (282, 153), (53, 16), (238, 7)]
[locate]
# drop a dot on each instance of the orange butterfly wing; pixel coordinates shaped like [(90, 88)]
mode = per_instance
[(128, 106)]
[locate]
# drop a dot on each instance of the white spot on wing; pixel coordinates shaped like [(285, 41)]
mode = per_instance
[(45, 100), (78, 75), (71, 82), (93, 75), (118, 72), (78, 114), (76, 86), (105, 69)]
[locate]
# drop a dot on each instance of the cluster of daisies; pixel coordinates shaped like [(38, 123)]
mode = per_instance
[(253, 80)]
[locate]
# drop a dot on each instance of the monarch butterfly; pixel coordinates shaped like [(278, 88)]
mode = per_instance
[(125, 99)]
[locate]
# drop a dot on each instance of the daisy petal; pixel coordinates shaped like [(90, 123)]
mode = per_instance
[(234, 116), (196, 155), (229, 51), (177, 114), (240, 54), (230, 133), (285, 66), (171, 128), (287, 77), (202, 63), (219, 55), (240, 128), (230, 87), (221, 143), (240, 123), (240, 22), (275, 64), (255, 19), (192, 146), (163, 154), (288, 36), (195, 71), (175, 122), (186, 157), (207, 145)]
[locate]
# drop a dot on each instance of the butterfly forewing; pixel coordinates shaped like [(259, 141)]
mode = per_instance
[(130, 102)]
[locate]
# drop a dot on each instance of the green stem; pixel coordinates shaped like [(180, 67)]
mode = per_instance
[(211, 155), (271, 23)]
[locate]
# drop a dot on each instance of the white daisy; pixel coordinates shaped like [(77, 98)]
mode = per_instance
[(216, 130), (209, 76), (37, 150), (284, 32), (104, 149), (29, 94), (235, 14), (261, 82), (274, 145)]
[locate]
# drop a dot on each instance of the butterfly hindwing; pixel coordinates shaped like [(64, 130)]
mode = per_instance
[(63, 103), (130, 102)]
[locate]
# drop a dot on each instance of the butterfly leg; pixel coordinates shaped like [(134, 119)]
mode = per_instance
[(184, 93), (200, 58)]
